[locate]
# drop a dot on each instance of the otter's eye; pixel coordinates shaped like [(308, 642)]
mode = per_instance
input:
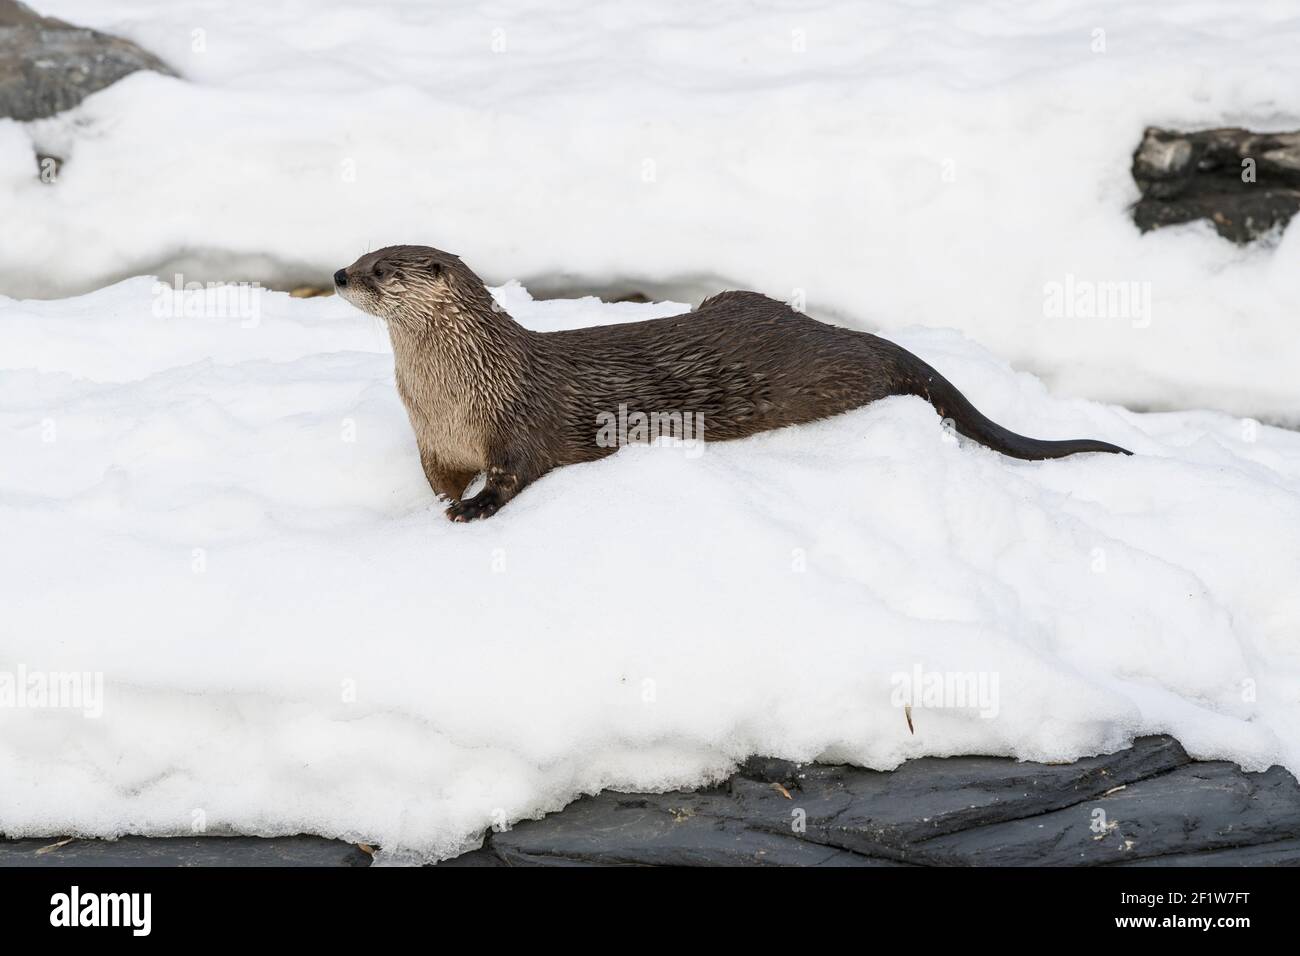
[(380, 272)]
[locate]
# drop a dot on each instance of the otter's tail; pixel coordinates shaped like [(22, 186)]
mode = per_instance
[(917, 378)]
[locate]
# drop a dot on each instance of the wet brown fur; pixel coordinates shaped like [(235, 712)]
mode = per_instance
[(486, 395)]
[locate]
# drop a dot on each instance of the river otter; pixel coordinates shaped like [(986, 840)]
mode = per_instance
[(484, 394)]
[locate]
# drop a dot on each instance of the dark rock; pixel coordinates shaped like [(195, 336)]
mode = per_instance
[(1150, 804), (184, 851), (47, 66), (1245, 183), (1146, 806)]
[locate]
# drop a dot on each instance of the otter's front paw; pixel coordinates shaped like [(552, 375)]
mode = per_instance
[(482, 505)]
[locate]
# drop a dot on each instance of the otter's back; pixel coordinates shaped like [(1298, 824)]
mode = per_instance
[(744, 361)]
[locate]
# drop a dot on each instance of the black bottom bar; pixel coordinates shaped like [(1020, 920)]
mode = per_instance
[(215, 904)]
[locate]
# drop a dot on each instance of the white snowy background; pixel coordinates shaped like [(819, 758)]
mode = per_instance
[(228, 518)]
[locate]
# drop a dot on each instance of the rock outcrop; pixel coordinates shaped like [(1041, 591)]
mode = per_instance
[(1245, 183), (1150, 805), (47, 66)]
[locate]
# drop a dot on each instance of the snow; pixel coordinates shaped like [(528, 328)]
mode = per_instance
[(894, 164), (225, 519), (229, 603)]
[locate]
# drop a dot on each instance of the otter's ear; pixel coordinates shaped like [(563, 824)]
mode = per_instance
[(432, 265)]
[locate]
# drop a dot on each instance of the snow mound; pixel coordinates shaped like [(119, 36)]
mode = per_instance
[(227, 520), (953, 166)]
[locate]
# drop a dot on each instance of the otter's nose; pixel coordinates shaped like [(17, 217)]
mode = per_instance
[(340, 278)]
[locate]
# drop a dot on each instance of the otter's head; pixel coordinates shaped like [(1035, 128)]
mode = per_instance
[(410, 286)]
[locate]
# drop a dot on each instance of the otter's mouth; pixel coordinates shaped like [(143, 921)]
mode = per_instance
[(346, 289), (351, 293)]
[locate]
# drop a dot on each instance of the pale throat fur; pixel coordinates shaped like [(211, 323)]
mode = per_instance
[(459, 364)]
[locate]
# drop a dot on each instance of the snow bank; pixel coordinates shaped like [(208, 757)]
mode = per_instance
[(897, 164), (225, 519)]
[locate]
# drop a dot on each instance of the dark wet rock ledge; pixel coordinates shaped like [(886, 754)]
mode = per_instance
[(1148, 805), (1245, 183)]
